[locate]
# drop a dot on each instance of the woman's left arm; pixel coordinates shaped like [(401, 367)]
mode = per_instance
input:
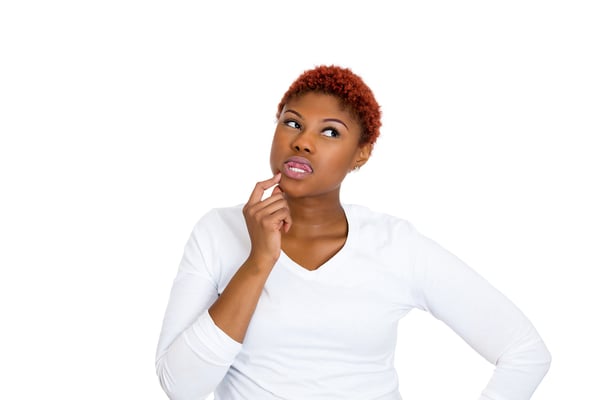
[(486, 319)]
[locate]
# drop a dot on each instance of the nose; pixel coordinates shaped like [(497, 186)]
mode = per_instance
[(303, 143)]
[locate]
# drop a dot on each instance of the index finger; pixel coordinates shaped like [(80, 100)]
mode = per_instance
[(261, 187)]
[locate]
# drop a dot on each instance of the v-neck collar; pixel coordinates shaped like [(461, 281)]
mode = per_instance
[(331, 262)]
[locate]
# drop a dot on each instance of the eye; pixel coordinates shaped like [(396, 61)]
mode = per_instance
[(330, 132), (292, 124)]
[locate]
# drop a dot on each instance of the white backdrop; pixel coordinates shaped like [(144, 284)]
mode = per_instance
[(122, 122)]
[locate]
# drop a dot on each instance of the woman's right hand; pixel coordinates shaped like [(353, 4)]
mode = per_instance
[(266, 220)]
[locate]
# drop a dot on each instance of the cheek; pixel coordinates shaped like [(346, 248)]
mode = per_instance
[(277, 140), (275, 153), (346, 160), (339, 167)]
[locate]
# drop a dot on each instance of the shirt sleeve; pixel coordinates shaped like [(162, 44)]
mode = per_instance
[(488, 321), (193, 354)]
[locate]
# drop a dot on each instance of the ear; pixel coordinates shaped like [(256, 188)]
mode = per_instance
[(362, 155)]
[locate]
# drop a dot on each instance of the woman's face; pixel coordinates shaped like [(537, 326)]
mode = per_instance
[(315, 145)]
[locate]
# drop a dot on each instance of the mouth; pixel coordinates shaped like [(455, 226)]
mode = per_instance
[(297, 167)]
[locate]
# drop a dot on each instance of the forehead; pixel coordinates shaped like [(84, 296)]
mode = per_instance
[(319, 103)]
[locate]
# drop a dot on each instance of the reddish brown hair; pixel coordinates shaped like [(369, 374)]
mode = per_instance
[(348, 87)]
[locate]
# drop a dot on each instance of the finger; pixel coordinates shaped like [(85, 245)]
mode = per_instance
[(283, 219), (287, 223), (255, 208), (268, 207), (276, 190), (260, 187), (280, 212)]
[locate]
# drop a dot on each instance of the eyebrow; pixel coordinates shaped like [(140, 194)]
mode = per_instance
[(325, 120)]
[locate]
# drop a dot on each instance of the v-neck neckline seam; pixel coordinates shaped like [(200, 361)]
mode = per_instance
[(299, 269)]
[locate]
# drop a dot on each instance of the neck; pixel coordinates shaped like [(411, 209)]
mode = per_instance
[(315, 215)]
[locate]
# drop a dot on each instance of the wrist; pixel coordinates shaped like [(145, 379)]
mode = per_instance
[(261, 262)]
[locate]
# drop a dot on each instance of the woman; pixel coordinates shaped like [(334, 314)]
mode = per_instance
[(296, 295)]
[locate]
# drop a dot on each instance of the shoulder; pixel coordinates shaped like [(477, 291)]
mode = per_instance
[(221, 216), (219, 241), (376, 223), (380, 235), (220, 223)]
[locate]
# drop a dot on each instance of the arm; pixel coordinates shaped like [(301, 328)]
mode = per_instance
[(202, 331), (488, 321), (193, 354), (265, 220)]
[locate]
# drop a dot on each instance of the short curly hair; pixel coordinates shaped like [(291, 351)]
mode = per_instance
[(348, 87)]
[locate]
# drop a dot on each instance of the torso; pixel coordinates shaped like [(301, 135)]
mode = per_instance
[(326, 324)]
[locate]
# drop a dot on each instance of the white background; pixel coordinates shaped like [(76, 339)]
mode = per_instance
[(122, 122)]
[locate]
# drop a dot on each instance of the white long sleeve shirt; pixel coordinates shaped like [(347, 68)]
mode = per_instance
[(331, 333)]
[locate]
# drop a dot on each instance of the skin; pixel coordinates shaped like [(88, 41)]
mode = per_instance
[(303, 217)]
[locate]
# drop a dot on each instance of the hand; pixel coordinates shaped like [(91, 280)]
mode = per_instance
[(266, 220)]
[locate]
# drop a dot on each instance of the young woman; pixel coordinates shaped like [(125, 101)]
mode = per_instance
[(296, 295)]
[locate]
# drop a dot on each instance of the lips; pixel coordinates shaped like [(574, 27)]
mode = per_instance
[(297, 167)]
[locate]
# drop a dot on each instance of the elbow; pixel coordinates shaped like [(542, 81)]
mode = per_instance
[(531, 357), (540, 356), (181, 382), (175, 392), (539, 364), (545, 358), (168, 383)]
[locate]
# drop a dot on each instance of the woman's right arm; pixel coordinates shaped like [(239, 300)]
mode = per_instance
[(202, 331), (265, 220)]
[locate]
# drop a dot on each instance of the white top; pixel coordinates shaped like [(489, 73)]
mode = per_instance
[(331, 333)]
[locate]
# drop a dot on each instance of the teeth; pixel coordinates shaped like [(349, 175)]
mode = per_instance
[(294, 169)]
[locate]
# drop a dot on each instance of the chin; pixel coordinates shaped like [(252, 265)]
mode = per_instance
[(289, 187)]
